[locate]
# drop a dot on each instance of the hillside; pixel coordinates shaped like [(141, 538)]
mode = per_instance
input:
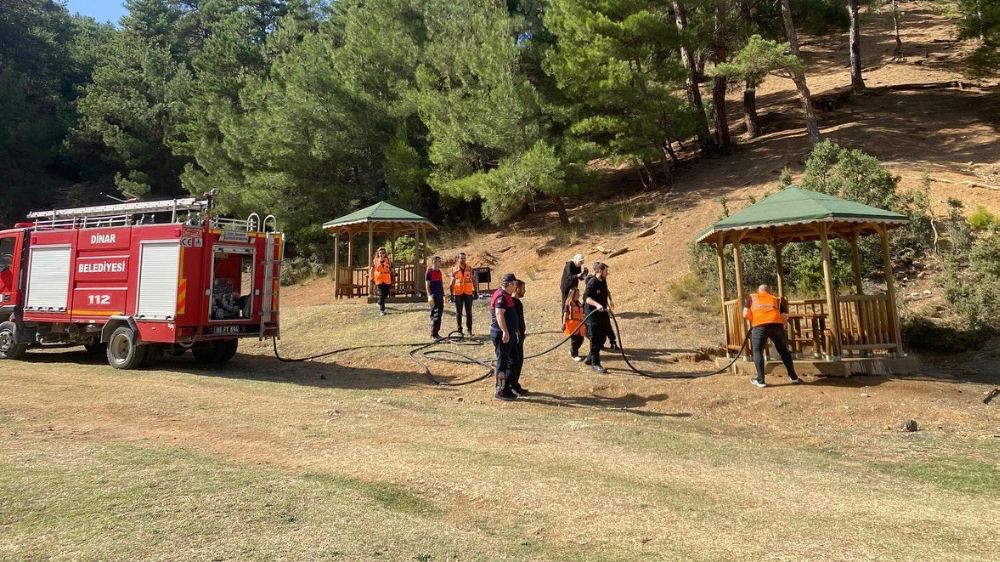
[(921, 116)]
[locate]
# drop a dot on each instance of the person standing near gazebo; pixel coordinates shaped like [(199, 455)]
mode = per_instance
[(435, 296), (463, 291), (767, 315), (381, 274)]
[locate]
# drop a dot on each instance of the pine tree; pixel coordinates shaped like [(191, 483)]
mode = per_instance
[(752, 64), (137, 97), (619, 64), (487, 128)]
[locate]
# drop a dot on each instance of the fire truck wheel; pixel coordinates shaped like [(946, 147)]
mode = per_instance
[(9, 348), (153, 354), (123, 353), (217, 353), (226, 350)]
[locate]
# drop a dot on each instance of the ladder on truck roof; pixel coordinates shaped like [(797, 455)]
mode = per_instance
[(117, 214)]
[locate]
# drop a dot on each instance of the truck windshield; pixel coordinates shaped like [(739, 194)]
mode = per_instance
[(6, 253)]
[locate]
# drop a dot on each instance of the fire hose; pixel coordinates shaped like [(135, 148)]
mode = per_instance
[(423, 349)]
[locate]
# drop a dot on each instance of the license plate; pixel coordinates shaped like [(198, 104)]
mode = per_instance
[(226, 330)]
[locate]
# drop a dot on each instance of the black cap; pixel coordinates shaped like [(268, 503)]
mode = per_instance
[(508, 278)]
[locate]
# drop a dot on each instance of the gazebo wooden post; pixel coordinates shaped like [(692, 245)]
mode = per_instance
[(740, 293), (779, 266), (416, 261), (720, 251), (831, 296), (350, 260), (336, 265), (856, 263), (890, 287), (371, 258)]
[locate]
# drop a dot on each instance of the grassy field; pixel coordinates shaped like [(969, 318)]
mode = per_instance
[(362, 459)]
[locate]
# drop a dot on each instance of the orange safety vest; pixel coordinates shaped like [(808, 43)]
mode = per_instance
[(765, 308), (383, 271), (574, 323), (461, 283)]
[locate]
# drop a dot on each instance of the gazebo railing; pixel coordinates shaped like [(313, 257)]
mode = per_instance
[(866, 324), (406, 281), (735, 326)]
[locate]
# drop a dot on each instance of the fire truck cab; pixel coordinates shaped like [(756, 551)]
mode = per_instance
[(136, 280)]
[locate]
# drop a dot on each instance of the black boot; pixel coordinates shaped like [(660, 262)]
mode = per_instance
[(502, 390)]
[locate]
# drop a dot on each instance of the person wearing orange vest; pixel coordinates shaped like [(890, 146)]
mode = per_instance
[(572, 323), (767, 314), (463, 292), (381, 275)]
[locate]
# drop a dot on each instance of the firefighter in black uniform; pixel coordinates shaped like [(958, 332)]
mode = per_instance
[(503, 333), (595, 301), (517, 351)]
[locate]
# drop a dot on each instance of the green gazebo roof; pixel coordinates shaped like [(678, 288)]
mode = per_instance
[(382, 214), (790, 216)]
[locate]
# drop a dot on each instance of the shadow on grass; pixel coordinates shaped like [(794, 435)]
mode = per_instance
[(257, 368), (625, 404)]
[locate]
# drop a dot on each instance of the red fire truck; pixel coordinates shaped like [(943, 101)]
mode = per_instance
[(135, 280)]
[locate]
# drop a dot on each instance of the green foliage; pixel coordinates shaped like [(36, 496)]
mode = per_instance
[(617, 64), (486, 123), (980, 19), (972, 282), (135, 100), (45, 58), (820, 16), (983, 219), (756, 59)]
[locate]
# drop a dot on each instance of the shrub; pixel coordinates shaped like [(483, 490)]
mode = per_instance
[(922, 334), (982, 219)]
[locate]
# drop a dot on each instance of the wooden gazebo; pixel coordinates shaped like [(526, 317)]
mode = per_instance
[(380, 219), (844, 333)]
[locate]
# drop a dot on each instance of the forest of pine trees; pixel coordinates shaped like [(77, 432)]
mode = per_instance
[(456, 109)]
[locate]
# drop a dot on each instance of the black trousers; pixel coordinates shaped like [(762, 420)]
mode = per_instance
[(516, 360), (383, 293), (575, 342), (504, 357), (759, 337), (437, 310), (598, 326), (466, 302)]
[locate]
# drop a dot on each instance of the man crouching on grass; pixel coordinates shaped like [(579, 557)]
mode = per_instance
[(503, 333)]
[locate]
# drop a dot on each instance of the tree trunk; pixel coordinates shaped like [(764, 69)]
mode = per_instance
[(799, 76), (693, 92), (982, 25), (669, 150), (719, 85), (561, 209), (750, 111), (895, 28), (857, 83)]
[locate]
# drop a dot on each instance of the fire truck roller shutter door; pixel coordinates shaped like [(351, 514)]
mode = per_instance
[(158, 279), (48, 278)]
